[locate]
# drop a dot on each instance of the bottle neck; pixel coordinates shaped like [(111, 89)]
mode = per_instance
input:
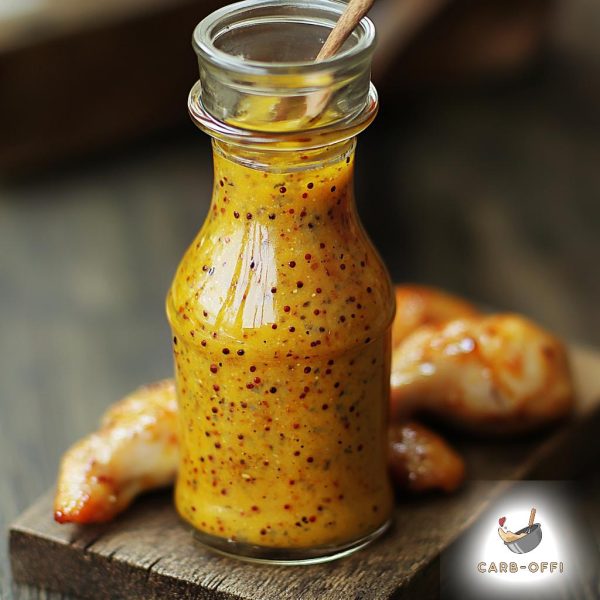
[(289, 160), (305, 189)]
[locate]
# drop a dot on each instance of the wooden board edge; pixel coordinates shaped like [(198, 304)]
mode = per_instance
[(51, 565)]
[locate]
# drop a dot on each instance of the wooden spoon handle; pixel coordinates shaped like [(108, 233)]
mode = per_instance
[(531, 518), (353, 13)]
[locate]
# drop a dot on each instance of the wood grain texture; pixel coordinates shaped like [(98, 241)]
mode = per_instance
[(149, 553)]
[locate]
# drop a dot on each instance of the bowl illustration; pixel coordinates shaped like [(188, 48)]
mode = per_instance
[(528, 542)]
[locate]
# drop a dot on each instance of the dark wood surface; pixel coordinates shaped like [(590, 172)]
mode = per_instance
[(149, 552), (492, 193)]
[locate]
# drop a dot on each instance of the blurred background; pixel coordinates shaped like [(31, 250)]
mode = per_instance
[(481, 175)]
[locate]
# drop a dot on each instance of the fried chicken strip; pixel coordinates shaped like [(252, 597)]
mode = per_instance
[(421, 461), (497, 373), (134, 450), (418, 305)]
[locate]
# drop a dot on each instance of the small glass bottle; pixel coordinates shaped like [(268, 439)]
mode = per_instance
[(281, 307)]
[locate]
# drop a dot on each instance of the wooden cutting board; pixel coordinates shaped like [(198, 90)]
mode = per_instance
[(148, 553)]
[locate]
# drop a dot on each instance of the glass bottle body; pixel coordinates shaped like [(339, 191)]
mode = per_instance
[(281, 312)]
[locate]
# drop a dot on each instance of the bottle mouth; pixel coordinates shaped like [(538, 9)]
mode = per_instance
[(236, 36), (258, 73)]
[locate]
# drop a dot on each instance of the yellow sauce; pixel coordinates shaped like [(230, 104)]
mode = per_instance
[(281, 313)]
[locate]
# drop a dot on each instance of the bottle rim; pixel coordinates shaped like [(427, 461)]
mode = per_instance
[(235, 15)]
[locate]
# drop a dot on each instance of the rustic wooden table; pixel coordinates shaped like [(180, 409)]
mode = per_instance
[(491, 193)]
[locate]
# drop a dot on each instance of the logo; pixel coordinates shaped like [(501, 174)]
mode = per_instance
[(514, 551), (523, 541)]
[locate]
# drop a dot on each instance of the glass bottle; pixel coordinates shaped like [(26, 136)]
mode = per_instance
[(281, 307)]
